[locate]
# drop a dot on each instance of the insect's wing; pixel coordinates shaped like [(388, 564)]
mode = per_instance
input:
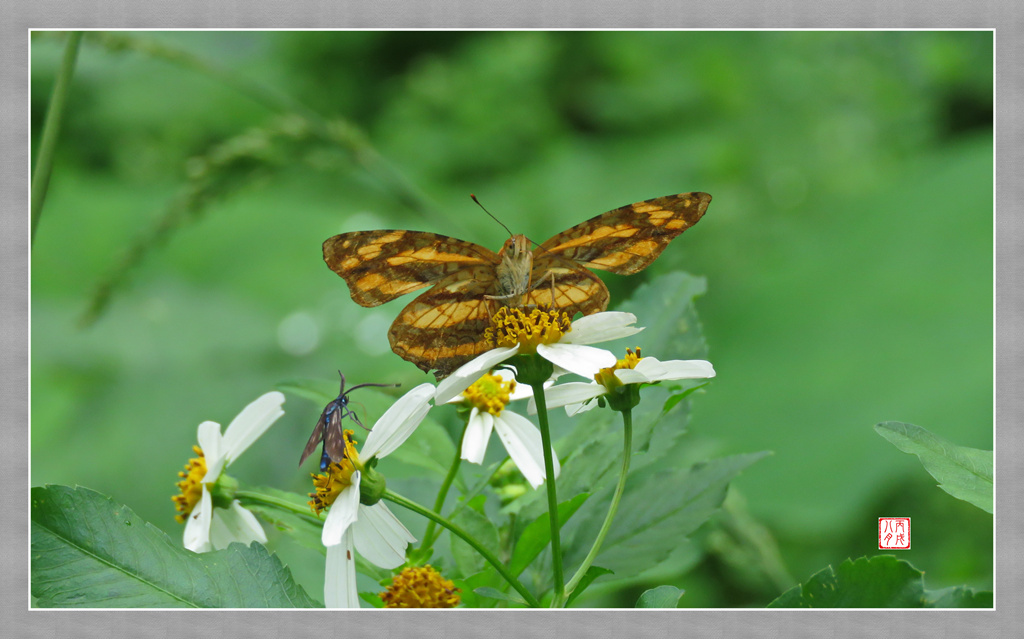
[(334, 436), (627, 239), (444, 327), (379, 266), (566, 286), (315, 438)]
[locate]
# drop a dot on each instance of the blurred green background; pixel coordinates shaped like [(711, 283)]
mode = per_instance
[(848, 250)]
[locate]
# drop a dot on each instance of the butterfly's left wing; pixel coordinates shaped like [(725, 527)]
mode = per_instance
[(382, 265), (623, 241), (444, 328)]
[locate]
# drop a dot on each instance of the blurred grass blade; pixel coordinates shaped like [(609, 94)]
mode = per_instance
[(227, 167), (91, 552), (339, 132), (965, 473), (51, 128)]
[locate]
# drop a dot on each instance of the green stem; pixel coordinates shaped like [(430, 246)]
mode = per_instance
[(549, 474), (456, 530), (442, 494), (250, 497), (51, 128), (627, 453)]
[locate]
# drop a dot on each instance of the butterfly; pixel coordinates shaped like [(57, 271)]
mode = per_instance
[(329, 430), (444, 327)]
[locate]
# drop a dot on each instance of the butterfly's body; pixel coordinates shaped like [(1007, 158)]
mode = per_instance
[(444, 327), (514, 270), (329, 428)]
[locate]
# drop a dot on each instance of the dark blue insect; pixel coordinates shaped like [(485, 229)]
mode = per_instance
[(329, 429)]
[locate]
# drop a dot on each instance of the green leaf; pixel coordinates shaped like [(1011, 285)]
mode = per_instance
[(537, 535), (659, 507), (959, 597), (660, 597), (588, 578), (664, 307), (478, 526), (468, 586), (494, 593), (876, 582), (679, 395), (965, 473), (372, 598), (88, 551)]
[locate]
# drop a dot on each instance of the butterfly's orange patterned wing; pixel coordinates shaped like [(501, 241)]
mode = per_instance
[(382, 265), (623, 241), (443, 327)]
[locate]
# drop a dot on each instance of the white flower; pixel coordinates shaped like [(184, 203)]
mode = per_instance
[(570, 352), (372, 530), (634, 369), (208, 527), (489, 397)]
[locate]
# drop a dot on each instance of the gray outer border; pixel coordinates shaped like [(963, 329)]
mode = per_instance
[(1005, 17)]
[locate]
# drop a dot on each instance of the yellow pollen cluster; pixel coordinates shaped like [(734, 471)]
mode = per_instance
[(630, 360), (511, 326), (338, 477), (421, 587), (490, 394), (191, 485), (606, 376)]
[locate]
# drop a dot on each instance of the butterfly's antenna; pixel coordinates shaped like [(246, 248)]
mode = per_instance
[(491, 214)]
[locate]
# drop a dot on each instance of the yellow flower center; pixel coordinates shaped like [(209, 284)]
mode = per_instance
[(337, 478), (490, 394), (421, 587), (606, 376), (511, 326), (191, 486)]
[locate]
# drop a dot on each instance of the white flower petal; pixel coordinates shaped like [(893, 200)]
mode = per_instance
[(340, 575), (582, 360), (211, 443), (573, 393), (632, 376), (398, 422), (343, 512), (575, 409), (235, 524), (380, 537), (679, 369), (478, 432), (523, 442), (197, 527), (601, 327), (471, 371), (253, 421)]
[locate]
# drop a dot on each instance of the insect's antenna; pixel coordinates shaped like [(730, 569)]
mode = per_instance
[(491, 214), (377, 385)]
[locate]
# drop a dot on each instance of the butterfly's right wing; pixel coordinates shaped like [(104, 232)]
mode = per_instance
[(444, 328), (379, 266)]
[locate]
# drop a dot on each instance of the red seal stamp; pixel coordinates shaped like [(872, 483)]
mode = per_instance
[(894, 533)]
